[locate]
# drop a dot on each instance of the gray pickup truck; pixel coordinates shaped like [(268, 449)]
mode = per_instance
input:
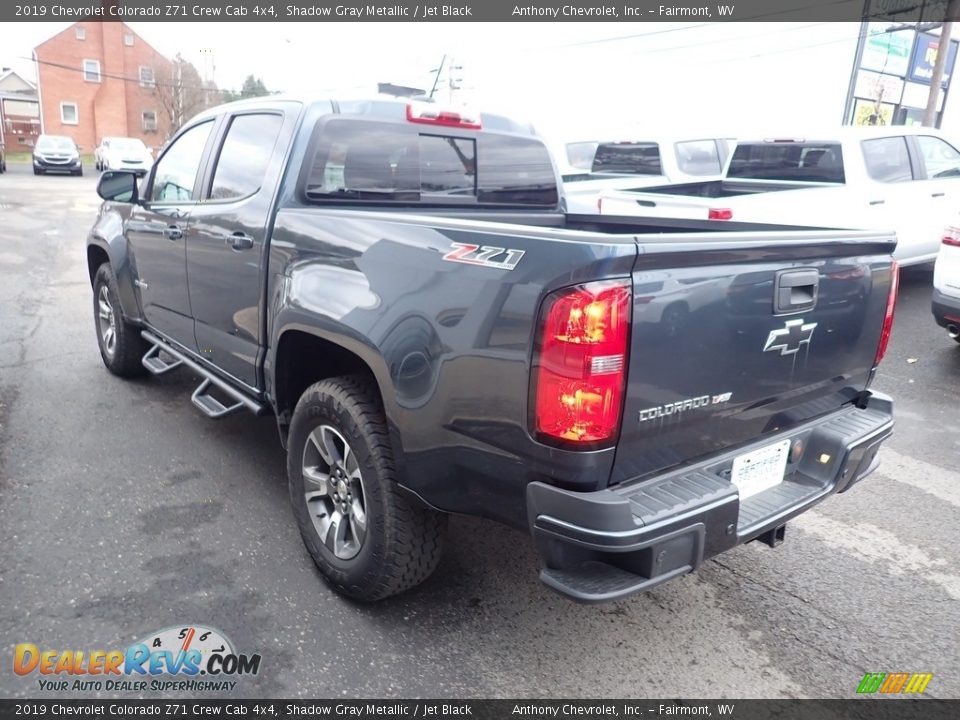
[(400, 286)]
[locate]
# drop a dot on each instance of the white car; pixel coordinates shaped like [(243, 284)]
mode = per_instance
[(594, 166), (946, 283), (122, 153), (902, 178)]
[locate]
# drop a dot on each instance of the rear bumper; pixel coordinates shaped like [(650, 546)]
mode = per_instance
[(946, 309), (609, 544)]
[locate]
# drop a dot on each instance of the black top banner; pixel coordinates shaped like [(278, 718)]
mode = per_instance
[(634, 11)]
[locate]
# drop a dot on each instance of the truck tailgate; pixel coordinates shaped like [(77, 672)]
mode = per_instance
[(731, 345)]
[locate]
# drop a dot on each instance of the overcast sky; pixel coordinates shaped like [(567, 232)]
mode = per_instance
[(575, 81)]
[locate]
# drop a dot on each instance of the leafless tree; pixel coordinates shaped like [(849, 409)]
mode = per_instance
[(182, 93)]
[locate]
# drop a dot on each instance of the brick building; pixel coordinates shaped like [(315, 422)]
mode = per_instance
[(19, 111), (99, 79)]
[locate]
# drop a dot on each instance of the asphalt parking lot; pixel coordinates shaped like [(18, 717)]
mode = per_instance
[(124, 511)]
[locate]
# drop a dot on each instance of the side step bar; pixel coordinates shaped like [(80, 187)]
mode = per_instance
[(208, 405), (157, 365)]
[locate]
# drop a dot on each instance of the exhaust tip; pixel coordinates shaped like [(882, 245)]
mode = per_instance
[(953, 331)]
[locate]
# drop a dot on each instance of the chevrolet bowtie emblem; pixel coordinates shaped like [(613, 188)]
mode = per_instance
[(790, 338)]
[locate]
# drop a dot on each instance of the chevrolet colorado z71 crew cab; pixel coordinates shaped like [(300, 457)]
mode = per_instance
[(399, 285)]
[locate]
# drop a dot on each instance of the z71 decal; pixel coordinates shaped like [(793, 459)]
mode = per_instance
[(506, 259)]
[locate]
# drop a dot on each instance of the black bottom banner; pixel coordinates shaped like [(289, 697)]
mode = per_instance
[(867, 709)]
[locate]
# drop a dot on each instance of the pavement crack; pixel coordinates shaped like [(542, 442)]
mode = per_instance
[(773, 589), (22, 363)]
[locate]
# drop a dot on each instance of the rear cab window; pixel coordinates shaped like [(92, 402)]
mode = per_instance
[(628, 158), (792, 161), (369, 160)]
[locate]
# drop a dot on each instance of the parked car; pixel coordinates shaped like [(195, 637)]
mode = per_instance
[(56, 153), (902, 178), (3, 159), (123, 153), (946, 283), (593, 167), (399, 285)]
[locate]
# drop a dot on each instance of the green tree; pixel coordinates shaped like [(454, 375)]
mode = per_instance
[(252, 87)]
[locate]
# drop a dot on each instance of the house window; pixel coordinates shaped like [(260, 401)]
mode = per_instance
[(150, 120), (146, 77), (81, 33), (128, 39), (91, 70), (68, 113)]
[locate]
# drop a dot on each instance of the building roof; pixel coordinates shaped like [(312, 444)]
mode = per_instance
[(6, 75)]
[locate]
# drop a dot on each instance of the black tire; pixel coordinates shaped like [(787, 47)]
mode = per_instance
[(79, 172), (128, 347), (36, 171), (403, 541)]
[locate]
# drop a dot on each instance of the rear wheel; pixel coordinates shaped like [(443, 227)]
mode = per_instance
[(366, 536), (121, 346)]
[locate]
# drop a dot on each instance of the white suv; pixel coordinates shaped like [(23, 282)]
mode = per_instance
[(120, 153), (946, 283)]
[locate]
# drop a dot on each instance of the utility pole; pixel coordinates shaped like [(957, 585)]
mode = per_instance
[(451, 80), (178, 90), (943, 51)]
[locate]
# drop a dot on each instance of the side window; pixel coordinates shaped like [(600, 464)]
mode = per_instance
[(176, 171), (887, 159), (940, 157), (699, 157), (242, 163)]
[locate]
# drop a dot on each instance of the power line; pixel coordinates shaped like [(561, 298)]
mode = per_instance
[(124, 78)]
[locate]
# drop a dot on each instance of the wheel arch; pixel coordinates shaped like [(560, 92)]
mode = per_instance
[(303, 355)]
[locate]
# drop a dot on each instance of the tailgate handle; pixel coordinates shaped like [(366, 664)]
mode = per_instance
[(795, 290)]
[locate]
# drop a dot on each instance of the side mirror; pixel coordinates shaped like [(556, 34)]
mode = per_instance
[(118, 186)]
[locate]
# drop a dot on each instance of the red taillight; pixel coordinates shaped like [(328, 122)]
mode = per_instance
[(720, 214), (580, 365), (951, 236), (888, 316), (430, 115)]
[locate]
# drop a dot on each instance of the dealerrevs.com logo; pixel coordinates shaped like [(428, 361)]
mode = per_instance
[(171, 660)]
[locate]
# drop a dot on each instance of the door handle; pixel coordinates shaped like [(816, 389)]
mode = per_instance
[(939, 194), (240, 241), (173, 232), (795, 290), (877, 202)]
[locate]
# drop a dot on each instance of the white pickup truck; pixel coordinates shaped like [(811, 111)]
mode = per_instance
[(902, 178), (594, 167)]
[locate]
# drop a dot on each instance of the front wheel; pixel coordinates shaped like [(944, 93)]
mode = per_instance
[(121, 346), (366, 536)]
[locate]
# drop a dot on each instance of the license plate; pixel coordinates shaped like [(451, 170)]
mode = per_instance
[(761, 469)]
